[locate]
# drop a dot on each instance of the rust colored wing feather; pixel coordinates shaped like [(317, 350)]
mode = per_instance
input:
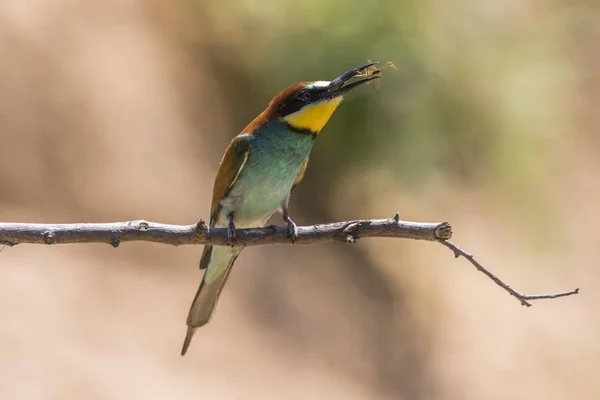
[(233, 162)]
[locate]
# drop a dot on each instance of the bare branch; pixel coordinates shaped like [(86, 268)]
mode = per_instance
[(521, 297), (348, 232), (114, 233)]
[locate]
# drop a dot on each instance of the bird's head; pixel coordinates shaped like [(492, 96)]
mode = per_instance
[(307, 106)]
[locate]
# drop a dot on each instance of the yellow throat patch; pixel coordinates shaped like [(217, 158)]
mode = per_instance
[(313, 117)]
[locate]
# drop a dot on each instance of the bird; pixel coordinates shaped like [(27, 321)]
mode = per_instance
[(258, 172)]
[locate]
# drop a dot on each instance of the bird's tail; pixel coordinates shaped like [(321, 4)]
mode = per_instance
[(218, 261)]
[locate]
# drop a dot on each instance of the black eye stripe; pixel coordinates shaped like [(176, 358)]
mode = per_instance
[(291, 106), (298, 100)]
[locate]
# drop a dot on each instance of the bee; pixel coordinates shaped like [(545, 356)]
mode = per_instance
[(373, 70)]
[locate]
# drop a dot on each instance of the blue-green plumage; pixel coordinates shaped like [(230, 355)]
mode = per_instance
[(275, 156)]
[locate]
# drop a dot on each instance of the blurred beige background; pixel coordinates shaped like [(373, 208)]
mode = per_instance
[(119, 110)]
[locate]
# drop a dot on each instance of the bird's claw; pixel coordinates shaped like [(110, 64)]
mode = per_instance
[(231, 237), (292, 230)]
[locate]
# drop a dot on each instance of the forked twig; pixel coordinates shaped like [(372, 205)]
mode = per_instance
[(521, 297)]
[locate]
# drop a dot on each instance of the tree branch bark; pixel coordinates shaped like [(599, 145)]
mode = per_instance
[(114, 233)]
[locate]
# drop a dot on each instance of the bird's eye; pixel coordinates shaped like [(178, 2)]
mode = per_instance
[(306, 96)]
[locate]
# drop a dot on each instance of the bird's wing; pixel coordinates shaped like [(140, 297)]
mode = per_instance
[(300, 174), (233, 162)]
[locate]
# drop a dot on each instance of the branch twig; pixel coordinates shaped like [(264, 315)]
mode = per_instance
[(114, 233), (521, 297)]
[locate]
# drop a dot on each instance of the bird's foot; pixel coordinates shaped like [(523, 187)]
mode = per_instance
[(292, 229), (231, 238)]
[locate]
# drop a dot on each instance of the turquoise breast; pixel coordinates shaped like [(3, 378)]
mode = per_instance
[(275, 157)]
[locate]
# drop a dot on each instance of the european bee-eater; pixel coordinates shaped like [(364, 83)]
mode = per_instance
[(260, 168)]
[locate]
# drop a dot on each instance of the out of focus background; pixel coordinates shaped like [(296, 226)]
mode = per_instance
[(119, 110)]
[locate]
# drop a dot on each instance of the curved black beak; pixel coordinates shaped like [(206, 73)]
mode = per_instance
[(336, 87)]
